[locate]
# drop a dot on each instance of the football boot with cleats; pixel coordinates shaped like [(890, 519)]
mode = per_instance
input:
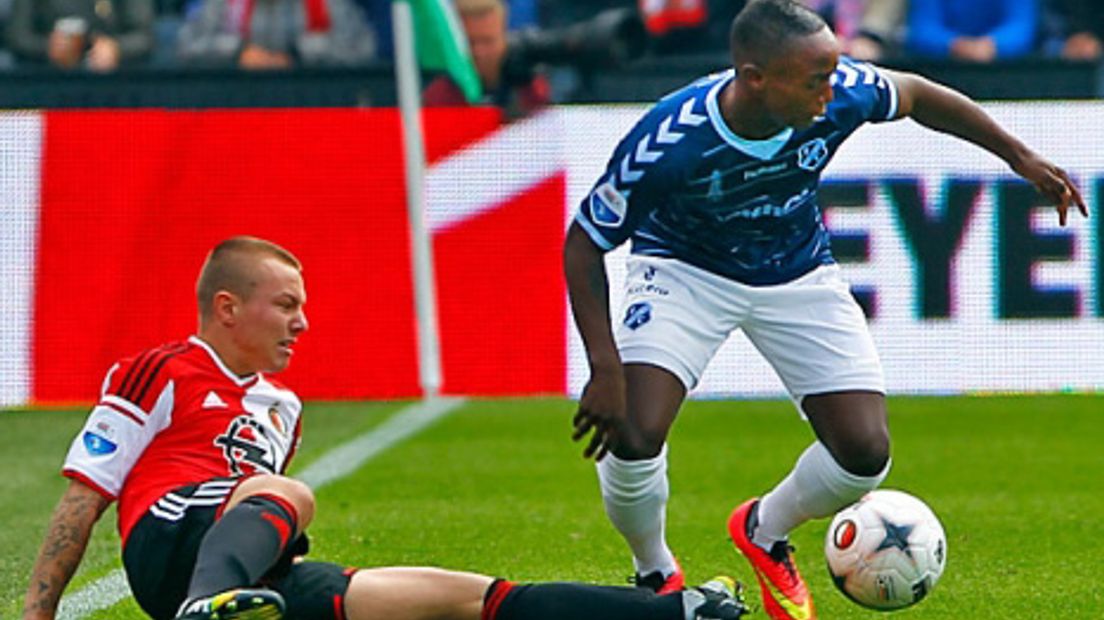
[(785, 595)]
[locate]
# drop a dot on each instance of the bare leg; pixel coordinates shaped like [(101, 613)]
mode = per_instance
[(401, 593), (852, 425), (653, 397)]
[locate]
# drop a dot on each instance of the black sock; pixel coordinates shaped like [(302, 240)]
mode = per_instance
[(557, 601), (242, 545)]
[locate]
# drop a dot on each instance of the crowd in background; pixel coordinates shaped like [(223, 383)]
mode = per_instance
[(102, 35)]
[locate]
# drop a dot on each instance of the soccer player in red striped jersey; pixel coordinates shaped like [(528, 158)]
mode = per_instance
[(192, 439)]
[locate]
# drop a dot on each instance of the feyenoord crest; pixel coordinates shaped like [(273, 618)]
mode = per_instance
[(277, 421), (246, 447)]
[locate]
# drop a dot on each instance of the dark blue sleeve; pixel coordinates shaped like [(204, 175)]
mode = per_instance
[(872, 96), (632, 185)]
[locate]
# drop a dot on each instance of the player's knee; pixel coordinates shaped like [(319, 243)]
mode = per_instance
[(301, 496), (638, 444), (293, 491), (866, 456)]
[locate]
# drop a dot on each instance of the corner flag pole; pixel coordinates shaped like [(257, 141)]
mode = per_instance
[(410, 107)]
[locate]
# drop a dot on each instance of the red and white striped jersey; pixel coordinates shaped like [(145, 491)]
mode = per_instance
[(175, 415)]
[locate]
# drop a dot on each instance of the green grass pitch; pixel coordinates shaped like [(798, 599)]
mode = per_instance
[(498, 487)]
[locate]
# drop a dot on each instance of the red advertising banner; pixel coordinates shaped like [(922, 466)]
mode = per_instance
[(132, 200)]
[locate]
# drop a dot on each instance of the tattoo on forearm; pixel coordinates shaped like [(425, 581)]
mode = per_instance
[(62, 550)]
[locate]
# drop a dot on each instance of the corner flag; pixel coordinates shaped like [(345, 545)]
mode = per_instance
[(441, 44)]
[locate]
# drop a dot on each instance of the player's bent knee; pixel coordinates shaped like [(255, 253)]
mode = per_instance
[(866, 458), (638, 446), (295, 492)]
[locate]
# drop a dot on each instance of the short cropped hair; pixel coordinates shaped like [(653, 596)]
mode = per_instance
[(476, 8), (765, 28), (228, 268)]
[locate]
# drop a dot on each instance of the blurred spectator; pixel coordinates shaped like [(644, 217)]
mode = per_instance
[(557, 13), (484, 23), (662, 16), (276, 34), (710, 35), (521, 14), (1084, 28), (879, 30), (100, 34), (378, 13), (976, 31)]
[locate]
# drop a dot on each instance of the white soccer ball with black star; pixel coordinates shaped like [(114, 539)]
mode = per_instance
[(886, 551)]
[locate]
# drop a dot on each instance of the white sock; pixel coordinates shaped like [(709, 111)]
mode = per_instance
[(635, 494), (817, 487)]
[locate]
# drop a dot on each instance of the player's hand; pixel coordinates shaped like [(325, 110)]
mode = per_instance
[(1054, 183), (601, 410)]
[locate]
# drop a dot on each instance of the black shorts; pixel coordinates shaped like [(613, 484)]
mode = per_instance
[(160, 555)]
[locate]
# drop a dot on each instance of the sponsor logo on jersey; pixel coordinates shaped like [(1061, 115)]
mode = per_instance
[(813, 154), (98, 445), (607, 206), (247, 447), (213, 401), (760, 171), (638, 314)]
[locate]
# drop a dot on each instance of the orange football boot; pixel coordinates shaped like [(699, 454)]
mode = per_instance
[(785, 595)]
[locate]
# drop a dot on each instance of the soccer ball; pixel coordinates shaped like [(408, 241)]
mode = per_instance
[(886, 551)]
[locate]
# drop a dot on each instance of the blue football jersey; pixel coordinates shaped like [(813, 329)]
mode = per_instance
[(682, 185)]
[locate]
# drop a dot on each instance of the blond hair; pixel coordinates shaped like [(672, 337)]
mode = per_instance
[(229, 267)]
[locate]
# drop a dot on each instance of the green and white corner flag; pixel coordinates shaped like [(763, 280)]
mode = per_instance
[(441, 44)]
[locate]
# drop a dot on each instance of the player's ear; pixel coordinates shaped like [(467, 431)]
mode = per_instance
[(224, 307), (751, 74)]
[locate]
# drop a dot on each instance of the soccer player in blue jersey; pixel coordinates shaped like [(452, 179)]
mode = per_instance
[(716, 187)]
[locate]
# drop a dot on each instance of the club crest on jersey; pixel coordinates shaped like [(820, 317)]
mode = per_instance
[(638, 314), (276, 420), (246, 447), (607, 206), (812, 155)]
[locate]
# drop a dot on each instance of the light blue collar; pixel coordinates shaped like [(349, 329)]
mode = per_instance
[(760, 149)]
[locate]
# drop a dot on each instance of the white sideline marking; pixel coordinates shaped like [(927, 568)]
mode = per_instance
[(333, 465)]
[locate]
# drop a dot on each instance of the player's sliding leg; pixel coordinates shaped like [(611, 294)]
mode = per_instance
[(263, 517), (633, 478), (407, 593), (850, 459), (434, 594)]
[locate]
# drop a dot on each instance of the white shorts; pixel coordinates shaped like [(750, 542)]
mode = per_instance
[(811, 330)]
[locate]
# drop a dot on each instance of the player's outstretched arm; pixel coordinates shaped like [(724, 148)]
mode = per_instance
[(602, 405), (70, 527), (949, 111)]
